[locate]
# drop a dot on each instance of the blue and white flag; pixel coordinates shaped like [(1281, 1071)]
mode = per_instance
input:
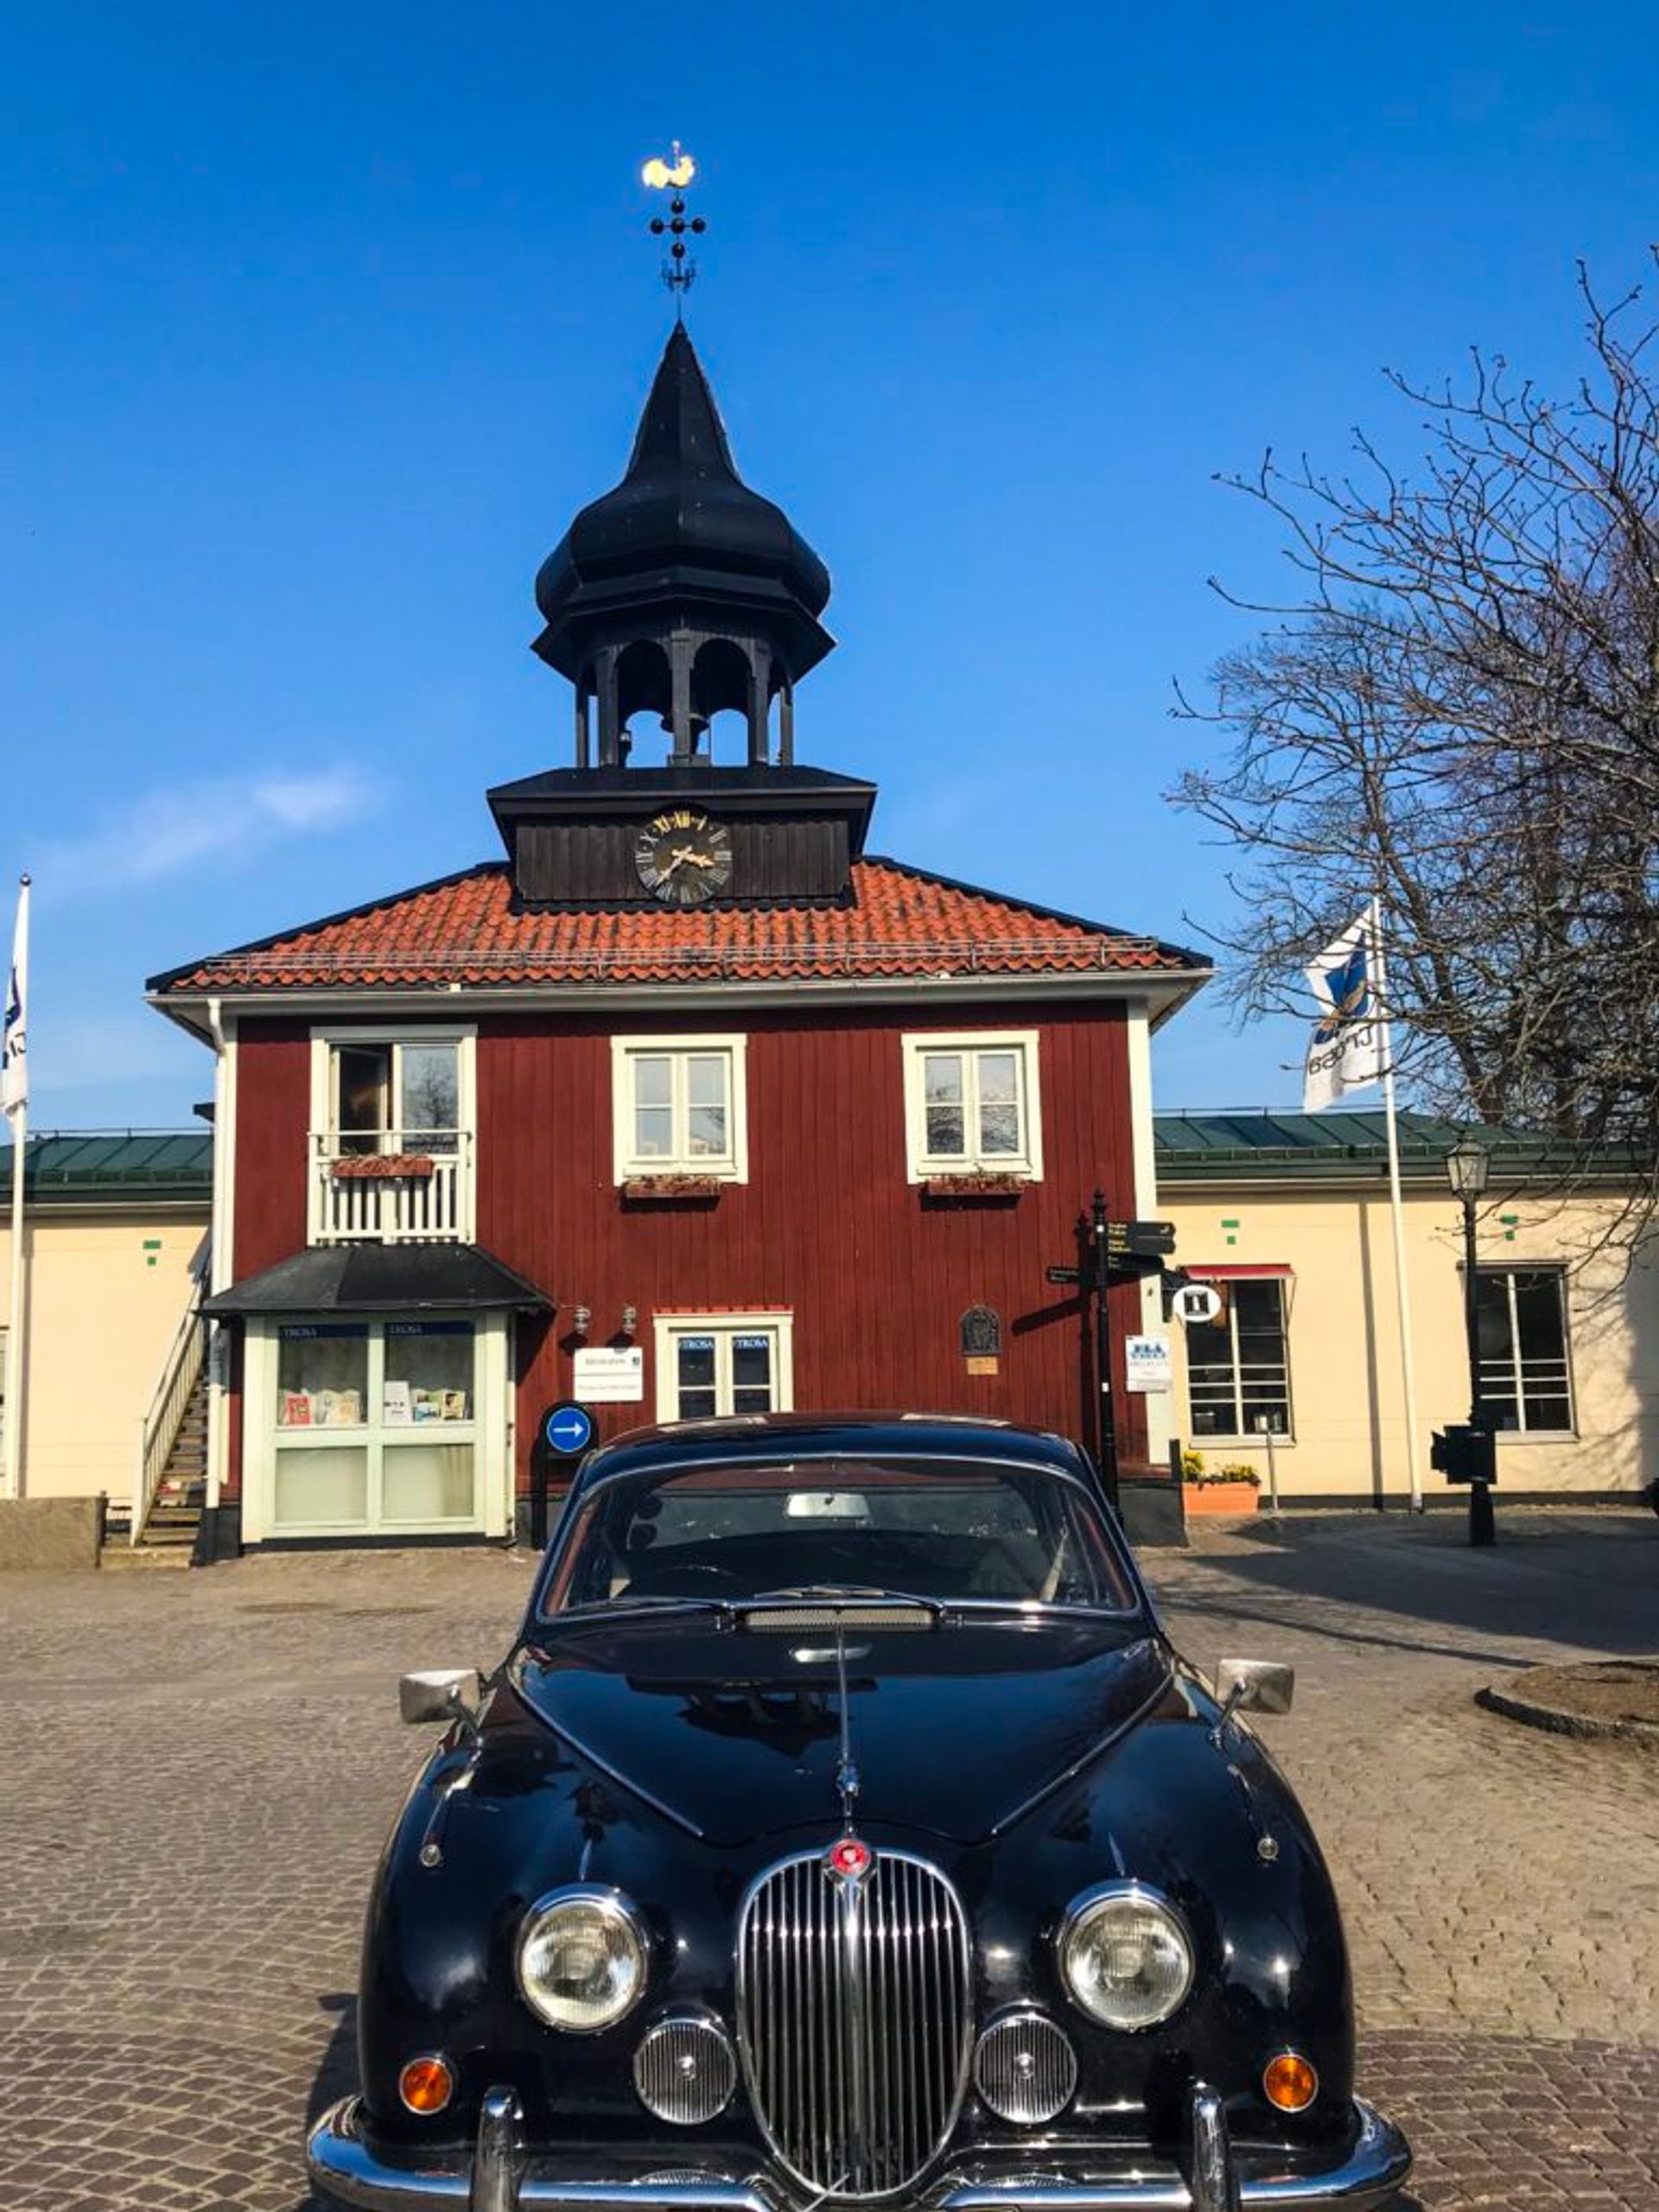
[(1349, 1047), (13, 1053)]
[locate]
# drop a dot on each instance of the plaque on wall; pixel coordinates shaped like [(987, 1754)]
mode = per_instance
[(981, 1334)]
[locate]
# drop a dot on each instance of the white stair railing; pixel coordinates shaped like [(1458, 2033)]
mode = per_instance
[(158, 1430)]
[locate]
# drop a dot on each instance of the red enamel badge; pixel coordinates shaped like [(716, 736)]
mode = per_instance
[(850, 1859)]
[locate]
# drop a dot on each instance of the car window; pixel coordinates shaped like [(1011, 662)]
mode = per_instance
[(933, 1528)]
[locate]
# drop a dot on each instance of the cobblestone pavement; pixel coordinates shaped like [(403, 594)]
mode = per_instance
[(198, 1769)]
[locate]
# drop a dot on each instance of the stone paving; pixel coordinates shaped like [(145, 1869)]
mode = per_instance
[(198, 1769)]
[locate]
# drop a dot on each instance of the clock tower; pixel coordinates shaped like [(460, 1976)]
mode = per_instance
[(679, 595)]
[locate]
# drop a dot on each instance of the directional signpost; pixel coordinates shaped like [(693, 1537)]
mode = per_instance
[(564, 1432), (568, 1429), (1110, 1252)]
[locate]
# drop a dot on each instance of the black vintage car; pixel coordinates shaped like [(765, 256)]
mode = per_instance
[(842, 1828)]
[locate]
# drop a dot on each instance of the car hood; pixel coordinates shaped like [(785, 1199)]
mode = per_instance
[(732, 1734)]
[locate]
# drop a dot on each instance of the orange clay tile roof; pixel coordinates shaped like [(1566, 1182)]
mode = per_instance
[(465, 930)]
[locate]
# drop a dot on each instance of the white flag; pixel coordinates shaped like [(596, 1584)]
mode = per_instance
[(1350, 1041), (14, 1055)]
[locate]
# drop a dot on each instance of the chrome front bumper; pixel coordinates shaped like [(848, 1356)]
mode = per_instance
[(500, 2175)]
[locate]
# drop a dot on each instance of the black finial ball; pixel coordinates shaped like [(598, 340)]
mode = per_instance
[(678, 206), (677, 226), (657, 226), (677, 249), (698, 224)]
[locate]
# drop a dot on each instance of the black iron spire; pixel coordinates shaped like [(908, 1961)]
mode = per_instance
[(681, 591)]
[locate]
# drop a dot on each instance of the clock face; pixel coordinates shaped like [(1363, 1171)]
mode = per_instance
[(683, 857)]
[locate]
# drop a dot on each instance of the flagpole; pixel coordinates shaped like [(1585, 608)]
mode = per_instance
[(16, 1109), (1402, 1288)]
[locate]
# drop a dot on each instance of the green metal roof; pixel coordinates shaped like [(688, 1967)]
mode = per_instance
[(113, 1164), (1259, 1146)]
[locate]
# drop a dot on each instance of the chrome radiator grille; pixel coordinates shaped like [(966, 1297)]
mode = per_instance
[(854, 2008)]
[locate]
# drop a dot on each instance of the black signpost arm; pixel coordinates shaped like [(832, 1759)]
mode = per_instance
[(1106, 1418)]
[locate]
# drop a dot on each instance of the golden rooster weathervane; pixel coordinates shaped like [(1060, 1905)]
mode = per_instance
[(679, 270)]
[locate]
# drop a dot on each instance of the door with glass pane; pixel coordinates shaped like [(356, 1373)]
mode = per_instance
[(712, 1369)]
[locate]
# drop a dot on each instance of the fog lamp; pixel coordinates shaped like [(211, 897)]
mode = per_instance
[(1290, 2081), (426, 2084)]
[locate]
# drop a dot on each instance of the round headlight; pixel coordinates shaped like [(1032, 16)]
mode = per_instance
[(582, 1959), (1126, 1955)]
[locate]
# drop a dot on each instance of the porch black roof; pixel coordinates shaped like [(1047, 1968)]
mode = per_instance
[(382, 1278)]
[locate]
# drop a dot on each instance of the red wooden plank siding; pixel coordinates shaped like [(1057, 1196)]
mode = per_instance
[(877, 1277)]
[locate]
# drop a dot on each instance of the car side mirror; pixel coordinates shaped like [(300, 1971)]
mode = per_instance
[(439, 1694), (1252, 1685)]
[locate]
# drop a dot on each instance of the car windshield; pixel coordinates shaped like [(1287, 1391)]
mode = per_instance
[(941, 1529)]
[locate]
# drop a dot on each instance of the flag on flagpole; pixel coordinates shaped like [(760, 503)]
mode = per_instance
[(1348, 1049), (13, 1053)]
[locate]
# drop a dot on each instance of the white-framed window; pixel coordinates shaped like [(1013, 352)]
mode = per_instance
[(680, 1107), (405, 1098), (972, 1105), (1526, 1375), (364, 1426), (712, 1365), (1238, 1365)]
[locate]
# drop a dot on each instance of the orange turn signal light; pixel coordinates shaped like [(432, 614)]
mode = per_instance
[(426, 2084), (1290, 2081)]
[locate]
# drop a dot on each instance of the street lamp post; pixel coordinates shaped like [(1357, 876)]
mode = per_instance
[(1467, 1168)]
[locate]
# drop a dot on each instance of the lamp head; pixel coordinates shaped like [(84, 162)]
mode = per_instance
[(1467, 1166)]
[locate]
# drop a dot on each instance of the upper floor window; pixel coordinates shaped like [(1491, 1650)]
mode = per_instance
[(971, 1105), (680, 1107), (1238, 1366), (396, 1097), (392, 1137), (1526, 1383)]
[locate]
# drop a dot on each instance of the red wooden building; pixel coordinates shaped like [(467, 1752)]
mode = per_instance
[(689, 1104)]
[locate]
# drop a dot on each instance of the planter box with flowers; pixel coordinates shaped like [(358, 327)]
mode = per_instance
[(1229, 1488)]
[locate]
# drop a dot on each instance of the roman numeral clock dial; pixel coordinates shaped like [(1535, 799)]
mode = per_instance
[(683, 857)]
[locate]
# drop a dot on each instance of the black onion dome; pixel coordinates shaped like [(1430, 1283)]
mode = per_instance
[(682, 522)]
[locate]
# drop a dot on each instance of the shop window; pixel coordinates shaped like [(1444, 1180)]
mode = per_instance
[(971, 1105), (1526, 1383), (409, 1391), (715, 1365), (679, 1107), (1238, 1365)]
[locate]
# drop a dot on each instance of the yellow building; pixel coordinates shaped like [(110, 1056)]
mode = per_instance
[(115, 1230), (1287, 1216)]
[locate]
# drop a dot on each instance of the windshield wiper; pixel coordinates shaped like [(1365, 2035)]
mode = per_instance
[(602, 1608), (836, 1592)]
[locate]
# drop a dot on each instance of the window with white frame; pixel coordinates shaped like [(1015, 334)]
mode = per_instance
[(392, 1135), (1526, 1383), (713, 1365), (679, 1107), (389, 1095), (375, 1425), (971, 1105), (1238, 1365)]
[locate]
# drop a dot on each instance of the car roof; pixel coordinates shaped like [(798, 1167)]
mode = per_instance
[(769, 1437)]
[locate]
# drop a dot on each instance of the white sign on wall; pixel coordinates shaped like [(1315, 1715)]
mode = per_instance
[(1196, 1301), (606, 1376), (1146, 1361)]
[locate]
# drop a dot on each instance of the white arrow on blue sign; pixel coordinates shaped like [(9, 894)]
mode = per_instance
[(568, 1429)]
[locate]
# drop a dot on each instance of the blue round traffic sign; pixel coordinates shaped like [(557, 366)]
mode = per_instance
[(568, 1429)]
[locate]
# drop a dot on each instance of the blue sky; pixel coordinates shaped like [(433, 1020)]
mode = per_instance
[(321, 322)]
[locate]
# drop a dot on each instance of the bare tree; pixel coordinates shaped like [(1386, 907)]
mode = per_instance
[(1457, 709)]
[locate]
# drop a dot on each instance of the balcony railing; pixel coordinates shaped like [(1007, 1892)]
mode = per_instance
[(399, 1186)]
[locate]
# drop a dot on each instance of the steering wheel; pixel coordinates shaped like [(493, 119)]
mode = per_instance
[(728, 1575)]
